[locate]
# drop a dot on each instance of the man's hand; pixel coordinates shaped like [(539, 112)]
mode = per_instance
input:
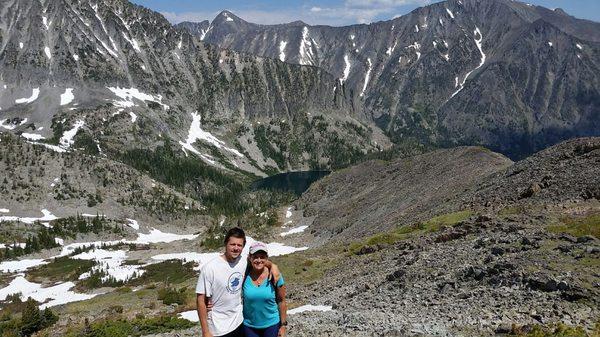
[(281, 332), (201, 303), (209, 303)]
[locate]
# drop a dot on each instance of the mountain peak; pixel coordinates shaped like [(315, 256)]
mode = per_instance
[(226, 16), (297, 23)]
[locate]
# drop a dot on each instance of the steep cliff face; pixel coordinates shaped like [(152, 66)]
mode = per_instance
[(499, 73), (122, 69)]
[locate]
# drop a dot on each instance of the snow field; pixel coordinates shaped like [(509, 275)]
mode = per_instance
[(128, 94), (296, 230), (309, 307), (196, 133), (34, 95), (58, 294), (67, 97)]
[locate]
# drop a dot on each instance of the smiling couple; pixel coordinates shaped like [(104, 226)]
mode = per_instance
[(247, 295)]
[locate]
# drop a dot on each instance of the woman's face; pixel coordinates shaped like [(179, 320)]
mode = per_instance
[(258, 260)]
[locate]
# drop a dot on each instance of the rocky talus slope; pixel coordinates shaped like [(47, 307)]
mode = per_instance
[(377, 196), (566, 172), (66, 184), (513, 77)]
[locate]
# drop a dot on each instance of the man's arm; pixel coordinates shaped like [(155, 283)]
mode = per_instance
[(272, 267), (203, 315), (282, 306)]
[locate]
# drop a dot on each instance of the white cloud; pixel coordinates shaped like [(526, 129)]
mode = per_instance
[(346, 13), (383, 3), (254, 16)]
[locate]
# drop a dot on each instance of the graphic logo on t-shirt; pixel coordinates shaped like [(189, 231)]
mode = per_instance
[(234, 284)]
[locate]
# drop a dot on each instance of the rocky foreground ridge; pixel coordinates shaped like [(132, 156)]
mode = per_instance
[(517, 249)]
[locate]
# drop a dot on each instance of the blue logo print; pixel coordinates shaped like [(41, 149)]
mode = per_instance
[(234, 283)]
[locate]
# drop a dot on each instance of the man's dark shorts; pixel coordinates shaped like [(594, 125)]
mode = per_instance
[(238, 332)]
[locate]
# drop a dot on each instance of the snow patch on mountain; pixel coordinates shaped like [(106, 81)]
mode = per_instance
[(417, 47), (295, 230), (346, 68), (7, 126), (67, 97), (32, 136), (20, 265), (132, 42), (196, 133), (47, 216), (34, 95), (128, 94), (282, 45), (478, 41), (309, 307), (391, 49), (204, 32), (367, 77), (67, 138), (133, 224), (58, 294), (307, 56), (111, 263)]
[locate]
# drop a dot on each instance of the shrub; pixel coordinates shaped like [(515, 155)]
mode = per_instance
[(170, 295), (34, 320), (135, 328), (170, 271)]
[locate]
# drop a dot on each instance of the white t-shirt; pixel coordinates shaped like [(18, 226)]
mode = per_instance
[(222, 282)]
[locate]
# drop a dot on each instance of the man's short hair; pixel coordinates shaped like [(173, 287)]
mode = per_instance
[(235, 232)]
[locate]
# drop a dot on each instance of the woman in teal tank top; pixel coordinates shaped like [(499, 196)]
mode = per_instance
[(263, 296)]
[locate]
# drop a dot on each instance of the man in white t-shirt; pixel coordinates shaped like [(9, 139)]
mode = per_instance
[(220, 282)]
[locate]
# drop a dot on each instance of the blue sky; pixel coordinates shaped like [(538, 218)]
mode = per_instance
[(329, 12)]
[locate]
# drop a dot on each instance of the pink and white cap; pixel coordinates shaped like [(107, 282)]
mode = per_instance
[(258, 246)]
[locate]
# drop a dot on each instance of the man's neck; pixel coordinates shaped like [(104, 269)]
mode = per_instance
[(229, 258)]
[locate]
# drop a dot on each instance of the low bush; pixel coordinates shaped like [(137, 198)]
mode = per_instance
[(579, 226), (134, 328), (170, 271), (170, 295), (32, 320)]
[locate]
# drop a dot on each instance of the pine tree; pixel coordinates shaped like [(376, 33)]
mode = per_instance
[(31, 319)]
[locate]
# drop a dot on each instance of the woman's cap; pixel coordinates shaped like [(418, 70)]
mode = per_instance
[(257, 247)]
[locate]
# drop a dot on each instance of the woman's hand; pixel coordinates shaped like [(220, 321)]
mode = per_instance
[(282, 330)]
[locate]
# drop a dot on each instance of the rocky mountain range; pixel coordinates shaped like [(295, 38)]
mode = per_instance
[(128, 79), (507, 75)]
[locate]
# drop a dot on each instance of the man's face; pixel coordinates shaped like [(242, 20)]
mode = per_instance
[(233, 248)]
